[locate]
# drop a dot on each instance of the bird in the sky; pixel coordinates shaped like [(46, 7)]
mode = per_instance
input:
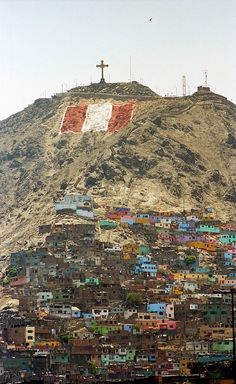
[(150, 19)]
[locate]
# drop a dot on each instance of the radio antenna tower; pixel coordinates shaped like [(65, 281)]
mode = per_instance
[(205, 75), (184, 85)]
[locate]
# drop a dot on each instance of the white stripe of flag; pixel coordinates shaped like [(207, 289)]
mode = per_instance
[(97, 117)]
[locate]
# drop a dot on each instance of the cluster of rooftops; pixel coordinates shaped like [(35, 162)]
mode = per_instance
[(124, 295)]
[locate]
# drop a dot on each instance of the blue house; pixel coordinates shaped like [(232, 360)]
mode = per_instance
[(145, 265), (158, 308), (232, 274), (183, 226), (128, 327), (228, 259), (87, 316)]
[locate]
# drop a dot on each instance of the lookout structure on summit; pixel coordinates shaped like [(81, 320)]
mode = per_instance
[(102, 66)]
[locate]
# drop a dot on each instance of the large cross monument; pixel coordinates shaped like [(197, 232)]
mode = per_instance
[(102, 66)]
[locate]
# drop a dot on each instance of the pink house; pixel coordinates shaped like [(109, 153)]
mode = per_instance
[(148, 321)]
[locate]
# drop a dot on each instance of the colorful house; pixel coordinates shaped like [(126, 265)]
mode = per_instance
[(223, 346), (146, 266), (190, 276), (148, 321), (162, 310), (209, 247), (118, 213), (227, 237), (208, 228), (92, 281), (142, 218), (75, 312), (119, 355), (104, 328), (128, 219), (107, 224)]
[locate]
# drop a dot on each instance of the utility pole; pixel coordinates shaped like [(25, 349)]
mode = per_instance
[(130, 70), (205, 75), (233, 326), (184, 85)]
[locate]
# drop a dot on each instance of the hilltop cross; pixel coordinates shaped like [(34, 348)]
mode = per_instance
[(102, 66)]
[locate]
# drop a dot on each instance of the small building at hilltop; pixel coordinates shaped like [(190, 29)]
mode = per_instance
[(203, 89)]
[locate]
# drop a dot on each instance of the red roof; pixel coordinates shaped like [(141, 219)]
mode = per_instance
[(20, 281)]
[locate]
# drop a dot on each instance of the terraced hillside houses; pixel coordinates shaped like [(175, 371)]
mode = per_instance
[(109, 292)]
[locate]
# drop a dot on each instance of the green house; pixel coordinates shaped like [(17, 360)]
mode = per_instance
[(59, 358), (92, 280), (17, 363), (208, 228), (143, 249), (227, 237), (214, 313), (107, 224), (121, 355), (222, 346), (61, 295), (104, 329)]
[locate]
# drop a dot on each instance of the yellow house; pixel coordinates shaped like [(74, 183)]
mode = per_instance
[(127, 256), (215, 331), (166, 213), (130, 248), (208, 216), (183, 366), (30, 335), (210, 247), (177, 290), (142, 219), (48, 343), (190, 276)]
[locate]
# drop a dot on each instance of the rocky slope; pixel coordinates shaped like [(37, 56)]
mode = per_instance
[(177, 152)]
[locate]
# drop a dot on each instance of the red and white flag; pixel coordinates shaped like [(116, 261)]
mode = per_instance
[(105, 117)]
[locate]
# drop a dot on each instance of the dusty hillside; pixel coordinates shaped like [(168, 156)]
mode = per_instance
[(176, 152)]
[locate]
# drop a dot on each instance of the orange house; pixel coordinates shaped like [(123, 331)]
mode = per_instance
[(142, 218), (130, 248)]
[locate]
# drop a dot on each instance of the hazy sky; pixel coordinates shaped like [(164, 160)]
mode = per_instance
[(47, 43)]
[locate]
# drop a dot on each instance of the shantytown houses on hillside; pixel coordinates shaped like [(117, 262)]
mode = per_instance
[(109, 291)]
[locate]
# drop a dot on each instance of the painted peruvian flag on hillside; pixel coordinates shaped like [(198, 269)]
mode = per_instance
[(105, 117)]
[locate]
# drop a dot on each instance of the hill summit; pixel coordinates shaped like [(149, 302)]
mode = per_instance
[(169, 152), (133, 89)]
